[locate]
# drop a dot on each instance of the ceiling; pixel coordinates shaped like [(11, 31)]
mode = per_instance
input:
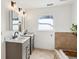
[(40, 3)]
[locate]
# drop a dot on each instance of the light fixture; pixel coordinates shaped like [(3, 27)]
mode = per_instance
[(24, 12), (19, 9), (13, 3)]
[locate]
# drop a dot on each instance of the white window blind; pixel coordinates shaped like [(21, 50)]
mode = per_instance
[(45, 23)]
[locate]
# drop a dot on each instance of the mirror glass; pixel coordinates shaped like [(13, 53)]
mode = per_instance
[(15, 21)]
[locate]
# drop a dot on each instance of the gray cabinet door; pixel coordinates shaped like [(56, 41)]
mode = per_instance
[(13, 50)]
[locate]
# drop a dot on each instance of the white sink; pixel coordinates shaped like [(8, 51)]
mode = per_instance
[(18, 39), (27, 35)]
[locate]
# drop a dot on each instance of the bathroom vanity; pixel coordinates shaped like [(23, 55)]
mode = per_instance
[(21, 47), (31, 41), (18, 48)]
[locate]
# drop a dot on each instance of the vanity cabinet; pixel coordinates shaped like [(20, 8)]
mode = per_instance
[(18, 50), (31, 44), (31, 41)]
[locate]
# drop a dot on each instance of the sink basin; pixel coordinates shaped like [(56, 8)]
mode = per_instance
[(14, 37), (18, 39), (27, 35)]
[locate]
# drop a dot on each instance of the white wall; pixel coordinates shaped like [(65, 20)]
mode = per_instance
[(74, 12), (62, 20), (62, 17), (4, 24)]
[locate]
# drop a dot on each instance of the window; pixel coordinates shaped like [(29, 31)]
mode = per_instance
[(45, 23)]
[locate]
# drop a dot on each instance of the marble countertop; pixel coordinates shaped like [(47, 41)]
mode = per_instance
[(18, 40), (27, 35)]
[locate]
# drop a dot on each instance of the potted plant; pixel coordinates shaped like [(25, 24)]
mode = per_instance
[(74, 29)]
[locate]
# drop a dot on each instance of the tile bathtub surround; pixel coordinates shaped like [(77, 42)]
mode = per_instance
[(65, 40)]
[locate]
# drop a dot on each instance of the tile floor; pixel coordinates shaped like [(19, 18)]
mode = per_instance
[(44, 54)]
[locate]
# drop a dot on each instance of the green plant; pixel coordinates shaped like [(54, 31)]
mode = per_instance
[(74, 29)]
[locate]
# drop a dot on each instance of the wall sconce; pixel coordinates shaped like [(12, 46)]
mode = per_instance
[(19, 9), (24, 12), (13, 3)]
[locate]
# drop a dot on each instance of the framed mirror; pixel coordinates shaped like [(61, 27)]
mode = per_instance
[(15, 21)]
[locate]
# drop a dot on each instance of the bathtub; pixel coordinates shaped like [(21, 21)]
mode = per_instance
[(59, 54)]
